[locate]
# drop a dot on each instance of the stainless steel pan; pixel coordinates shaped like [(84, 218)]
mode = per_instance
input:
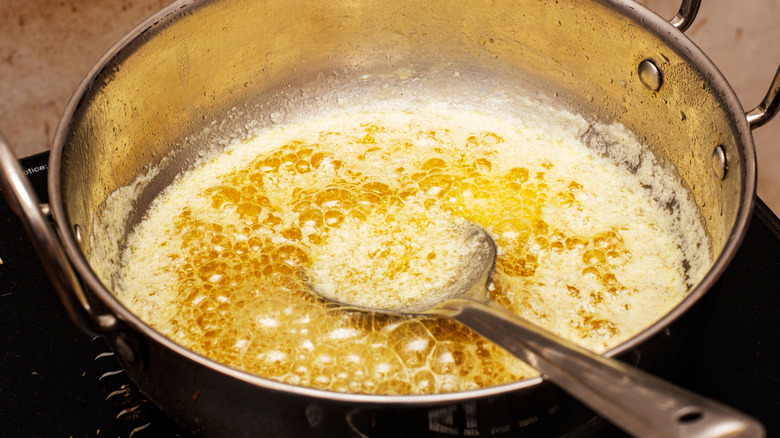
[(161, 96)]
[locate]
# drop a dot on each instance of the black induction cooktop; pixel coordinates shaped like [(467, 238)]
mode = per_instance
[(58, 382)]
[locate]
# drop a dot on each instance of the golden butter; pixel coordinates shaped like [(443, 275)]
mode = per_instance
[(217, 264)]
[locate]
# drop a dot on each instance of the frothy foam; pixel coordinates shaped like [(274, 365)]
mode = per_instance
[(585, 249)]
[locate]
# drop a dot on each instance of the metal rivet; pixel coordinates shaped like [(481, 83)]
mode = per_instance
[(650, 75), (77, 232), (719, 163)]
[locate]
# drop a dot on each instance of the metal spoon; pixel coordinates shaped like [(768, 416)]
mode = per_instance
[(639, 403)]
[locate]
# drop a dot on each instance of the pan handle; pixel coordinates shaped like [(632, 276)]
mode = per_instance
[(768, 107), (21, 197), (685, 16), (759, 115)]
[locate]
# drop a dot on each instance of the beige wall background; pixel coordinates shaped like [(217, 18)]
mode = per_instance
[(46, 48)]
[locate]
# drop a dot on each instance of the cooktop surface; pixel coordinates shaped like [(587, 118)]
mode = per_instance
[(58, 382)]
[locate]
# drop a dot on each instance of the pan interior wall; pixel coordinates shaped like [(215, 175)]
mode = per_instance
[(200, 76)]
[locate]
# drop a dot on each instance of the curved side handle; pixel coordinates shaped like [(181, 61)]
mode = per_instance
[(23, 201), (641, 404), (768, 107), (685, 16)]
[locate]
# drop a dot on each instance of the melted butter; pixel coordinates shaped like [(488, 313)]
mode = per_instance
[(412, 262), (217, 264)]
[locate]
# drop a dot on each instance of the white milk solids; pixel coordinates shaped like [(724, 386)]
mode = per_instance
[(410, 264), (585, 248)]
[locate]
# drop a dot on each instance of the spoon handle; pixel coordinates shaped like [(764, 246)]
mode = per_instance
[(639, 403)]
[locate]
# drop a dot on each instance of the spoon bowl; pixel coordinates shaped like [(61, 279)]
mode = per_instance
[(638, 402)]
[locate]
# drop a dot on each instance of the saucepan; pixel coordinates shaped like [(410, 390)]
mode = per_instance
[(203, 70)]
